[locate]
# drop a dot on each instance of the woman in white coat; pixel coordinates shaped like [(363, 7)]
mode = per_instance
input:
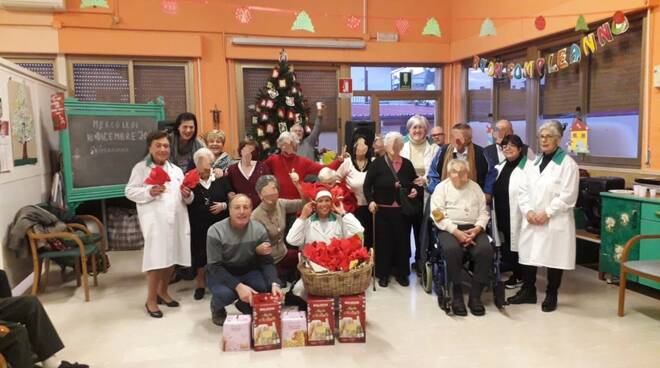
[(421, 153), (547, 197), (325, 222), (163, 220), (508, 216)]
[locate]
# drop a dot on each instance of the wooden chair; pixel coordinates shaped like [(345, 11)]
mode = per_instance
[(649, 269), (4, 331), (82, 243)]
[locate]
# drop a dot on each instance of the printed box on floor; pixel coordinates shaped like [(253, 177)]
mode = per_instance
[(320, 321), (236, 333), (266, 322), (352, 318), (294, 329)]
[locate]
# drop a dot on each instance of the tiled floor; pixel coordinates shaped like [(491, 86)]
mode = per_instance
[(405, 329)]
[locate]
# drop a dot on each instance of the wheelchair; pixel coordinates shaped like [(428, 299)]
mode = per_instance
[(434, 272)]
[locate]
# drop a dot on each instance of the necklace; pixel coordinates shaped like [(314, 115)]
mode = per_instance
[(361, 166)]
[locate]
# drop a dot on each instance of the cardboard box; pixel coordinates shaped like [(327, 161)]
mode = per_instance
[(236, 333), (294, 329), (352, 319), (320, 321), (266, 322)]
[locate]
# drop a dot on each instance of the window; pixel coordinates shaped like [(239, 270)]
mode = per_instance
[(44, 66), (376, 78), (479, 104), (134, 81)]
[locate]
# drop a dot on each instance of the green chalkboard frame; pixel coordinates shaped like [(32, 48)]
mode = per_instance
[(73, 107)]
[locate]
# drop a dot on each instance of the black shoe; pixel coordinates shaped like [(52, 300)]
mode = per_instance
[(523, 296), (457, 302), (383, 282), (172, 304), (156, 314), (199, 293), (218, 317), (512, 283), (417, 267), (550, 303), (403, 281), (243, 307), (65, 364), (475, 304)]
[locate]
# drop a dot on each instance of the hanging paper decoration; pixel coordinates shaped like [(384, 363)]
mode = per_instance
[(270, 128), (273, 93), (264, 116), (402, 26), (294, 89), (290, 101), (276, 73), (579, 136), (270, 104), (260, 132), (487, 28), (303, 23), (269, 85), (257, 109), (265, 145), (539, 23), (618, 17), (432, 28), (280, 112), (293, 77), (298, 118), (282, 83), (255, 120), (620, 23), (353, 22), (581, 24), (283, 127), (169, 7), (262, 103), (290, 115), (84, 4), (243, 15)]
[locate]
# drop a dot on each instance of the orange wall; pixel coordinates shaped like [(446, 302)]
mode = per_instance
[(27, 33), (653, 108)]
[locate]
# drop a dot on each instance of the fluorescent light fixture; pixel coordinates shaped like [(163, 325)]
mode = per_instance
[(299, 42)]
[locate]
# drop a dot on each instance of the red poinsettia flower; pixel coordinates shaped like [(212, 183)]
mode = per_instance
[(157, 176), (338, 255), (191, 179)]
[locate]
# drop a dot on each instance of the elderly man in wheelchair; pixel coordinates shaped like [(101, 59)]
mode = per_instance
[(458, 209)]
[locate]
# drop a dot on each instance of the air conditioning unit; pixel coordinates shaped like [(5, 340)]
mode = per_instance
[(33, 5)]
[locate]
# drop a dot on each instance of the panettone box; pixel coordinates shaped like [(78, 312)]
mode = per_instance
[(320, 321), (236, 333), (266, 322), (294, 329), (352, 318)]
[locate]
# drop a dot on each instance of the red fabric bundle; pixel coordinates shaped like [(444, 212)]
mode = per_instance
[(338, 255), (191, 179), (340, 193), (157, 176)]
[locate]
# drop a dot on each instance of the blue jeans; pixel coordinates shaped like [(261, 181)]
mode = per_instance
[(224, 295)]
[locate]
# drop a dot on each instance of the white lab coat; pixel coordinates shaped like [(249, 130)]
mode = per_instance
[(515, 214), (310, 230), (163, 220), (554, 191)]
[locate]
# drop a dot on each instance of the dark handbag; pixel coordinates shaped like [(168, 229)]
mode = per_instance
[(409, 206)]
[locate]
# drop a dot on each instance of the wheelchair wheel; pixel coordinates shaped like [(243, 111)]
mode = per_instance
[(498, 295), (444, 299), (427, 277)]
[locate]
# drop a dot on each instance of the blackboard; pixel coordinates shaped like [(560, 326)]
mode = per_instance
[(104, 149)]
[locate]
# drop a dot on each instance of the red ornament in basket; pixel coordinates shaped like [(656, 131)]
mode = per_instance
[(191, 179), (339, 255), (157, 176)]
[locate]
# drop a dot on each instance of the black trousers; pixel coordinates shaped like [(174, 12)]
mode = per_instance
[(509, 257), (31, 331), (392, 243), (364, 216), (416, 222), (454, 253), (529, 278)]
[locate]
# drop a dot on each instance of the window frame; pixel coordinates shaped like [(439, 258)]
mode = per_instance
[(533, 50), (36, 59)]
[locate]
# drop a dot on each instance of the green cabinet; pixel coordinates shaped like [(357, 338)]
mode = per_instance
[(622, 217)]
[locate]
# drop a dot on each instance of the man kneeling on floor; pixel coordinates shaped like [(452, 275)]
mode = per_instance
[(458, 208), (239, 261)]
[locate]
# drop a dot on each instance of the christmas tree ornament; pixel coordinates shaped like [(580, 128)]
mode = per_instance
[(487, 28), (432, 28), (251, 107), (264, 116), (298, 118), (280, 112), (273, 93), (283, 127), (294, 89), (291, 68), (620, 23), (270, 103), (293, 77), (291, 115), (353, 22), (303, 23), (282, 83), (581, 24), (265, 145), (402, 26), (243, 15), (260, 132), (255, 120), (270, 128), (257, 109), (539, 23), (270, 85), (84, 4), (290, 101), (276, 73), (262, 102)]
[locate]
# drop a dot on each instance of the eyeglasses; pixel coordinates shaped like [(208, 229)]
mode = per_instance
[(437, 135)]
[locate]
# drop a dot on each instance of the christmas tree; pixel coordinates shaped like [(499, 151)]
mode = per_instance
[(279, 105)]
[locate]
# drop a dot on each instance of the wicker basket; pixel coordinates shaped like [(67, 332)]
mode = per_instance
[(353, 282)]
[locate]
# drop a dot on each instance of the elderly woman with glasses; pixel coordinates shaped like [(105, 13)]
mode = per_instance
[(546, 198), (215, 140)]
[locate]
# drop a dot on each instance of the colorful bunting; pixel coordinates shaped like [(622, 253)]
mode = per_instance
[(620, 23), (243, 15), (581, 24), (402, 26), (353, 22), (487, 28), (303, 23), (432, 28)]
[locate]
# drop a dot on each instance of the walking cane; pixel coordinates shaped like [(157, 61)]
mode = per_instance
[(373, 249)]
